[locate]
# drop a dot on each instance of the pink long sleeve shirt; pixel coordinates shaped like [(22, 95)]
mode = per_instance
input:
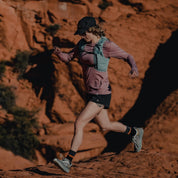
[(96, 82)]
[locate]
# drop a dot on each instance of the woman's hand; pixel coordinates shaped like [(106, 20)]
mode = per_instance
[(133, 73), (56, 50)]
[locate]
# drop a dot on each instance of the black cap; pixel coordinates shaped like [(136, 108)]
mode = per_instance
[(84, 24)]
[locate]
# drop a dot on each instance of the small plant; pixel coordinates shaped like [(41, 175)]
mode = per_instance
[(20, 62), (52, 29), (7, 98), (2, 68), (18, 136), (104, 4)]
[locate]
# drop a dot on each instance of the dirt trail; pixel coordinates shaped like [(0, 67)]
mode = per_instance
[(158, 158)]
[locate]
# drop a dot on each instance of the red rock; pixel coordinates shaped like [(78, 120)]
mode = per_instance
[(12, 35), (40, 159), (10, 161), (61, 112), (22, 26)]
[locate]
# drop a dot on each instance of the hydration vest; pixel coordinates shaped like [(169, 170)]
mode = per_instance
[(100, 62)]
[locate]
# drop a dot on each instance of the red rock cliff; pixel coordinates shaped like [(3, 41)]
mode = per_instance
[(57, 90)]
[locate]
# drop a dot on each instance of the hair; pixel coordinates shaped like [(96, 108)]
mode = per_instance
[(96, 30)]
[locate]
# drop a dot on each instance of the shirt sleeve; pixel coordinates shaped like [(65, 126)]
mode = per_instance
[(110, 49)]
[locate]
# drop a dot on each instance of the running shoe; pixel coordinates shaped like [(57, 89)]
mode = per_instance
[(64, 164), (137, 139)]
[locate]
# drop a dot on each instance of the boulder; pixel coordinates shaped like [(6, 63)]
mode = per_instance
[(11, 161), (61, 112), (68, 102), (66, 10)]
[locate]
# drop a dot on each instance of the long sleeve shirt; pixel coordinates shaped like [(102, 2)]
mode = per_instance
[(96, 82)]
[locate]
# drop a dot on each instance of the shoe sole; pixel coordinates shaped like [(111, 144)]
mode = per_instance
[(61, 165)]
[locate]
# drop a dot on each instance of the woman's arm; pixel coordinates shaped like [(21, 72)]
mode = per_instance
[(110, 49), (65, 57)]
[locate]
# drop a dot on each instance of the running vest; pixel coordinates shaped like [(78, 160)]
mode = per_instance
[(100, 62)]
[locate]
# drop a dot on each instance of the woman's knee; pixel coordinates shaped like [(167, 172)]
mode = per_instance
[(79, 124)]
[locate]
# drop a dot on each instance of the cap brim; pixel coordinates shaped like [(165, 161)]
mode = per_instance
[(80, 32)]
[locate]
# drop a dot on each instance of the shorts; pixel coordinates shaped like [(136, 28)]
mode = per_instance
[(100, 99)]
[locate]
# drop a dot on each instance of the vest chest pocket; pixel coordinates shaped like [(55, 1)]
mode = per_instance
[(101, 63)]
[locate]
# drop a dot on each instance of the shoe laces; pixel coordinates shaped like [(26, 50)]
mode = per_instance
[(134, 138), (67, 162)]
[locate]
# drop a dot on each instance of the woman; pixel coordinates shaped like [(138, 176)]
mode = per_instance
[(94, 52)]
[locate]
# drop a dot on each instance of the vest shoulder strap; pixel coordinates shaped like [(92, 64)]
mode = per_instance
[(99, 46), (101, 63), (101, 41)]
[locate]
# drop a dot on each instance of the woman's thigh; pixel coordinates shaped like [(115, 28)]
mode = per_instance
[(103, 120), (88, 113)]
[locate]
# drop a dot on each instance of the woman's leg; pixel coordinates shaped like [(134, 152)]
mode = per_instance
[(103, 120), (88, 113), (136, 133)]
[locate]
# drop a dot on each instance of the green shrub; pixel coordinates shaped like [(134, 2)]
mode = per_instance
[(104, 4), (18, 136), (52, 29), (2, 68), (20, 62), (7, 98)]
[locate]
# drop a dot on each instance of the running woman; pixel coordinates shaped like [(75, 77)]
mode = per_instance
[(94, 51)]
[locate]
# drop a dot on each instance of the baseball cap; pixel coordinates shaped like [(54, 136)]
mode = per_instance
[(84, 24)]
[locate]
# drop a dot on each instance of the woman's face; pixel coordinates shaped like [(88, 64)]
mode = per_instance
[(88, 37)]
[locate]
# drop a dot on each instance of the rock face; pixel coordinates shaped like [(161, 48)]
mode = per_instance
[(57, 90), (11, 161), (12, 34)]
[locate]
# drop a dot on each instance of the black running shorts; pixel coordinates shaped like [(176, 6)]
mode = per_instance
[(100, 99)]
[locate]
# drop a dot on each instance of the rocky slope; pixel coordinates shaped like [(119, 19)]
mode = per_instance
[(145, 29)]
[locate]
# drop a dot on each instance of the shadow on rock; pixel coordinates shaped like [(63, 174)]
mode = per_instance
[(42, 77), (159, 82)]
